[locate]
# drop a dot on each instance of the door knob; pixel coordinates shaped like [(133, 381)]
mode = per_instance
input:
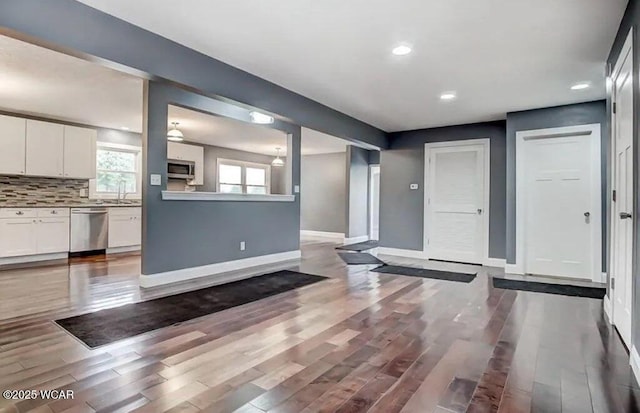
[(625, 215), (587, 214), (479, 210)]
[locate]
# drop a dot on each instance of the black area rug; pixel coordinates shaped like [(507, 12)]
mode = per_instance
[(550, 288), (359, 258), (106, 326), (360, 246), (425, 273)]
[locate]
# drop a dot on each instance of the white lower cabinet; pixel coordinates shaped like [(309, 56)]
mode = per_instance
[(33, 231), (17, 237), (125, 227), (52, 235)]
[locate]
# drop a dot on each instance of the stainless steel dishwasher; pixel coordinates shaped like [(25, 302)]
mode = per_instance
[(89, 229)]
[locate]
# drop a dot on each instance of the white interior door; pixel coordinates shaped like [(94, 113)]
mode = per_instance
[(622, 208), (559, 195), (374, 203), (455, 226)]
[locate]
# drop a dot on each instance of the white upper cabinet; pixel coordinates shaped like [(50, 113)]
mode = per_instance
[(44, 154), (79, 152), (193, 153), (12, 145)]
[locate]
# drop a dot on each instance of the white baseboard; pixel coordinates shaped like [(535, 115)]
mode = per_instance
[(354, 240), (118, 250), (495, 262), (634, 360), (606, 303), (169, 277), (322, 234), (513, 269), (34, 258), (401, 253)]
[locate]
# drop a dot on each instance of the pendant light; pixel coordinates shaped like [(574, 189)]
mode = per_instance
[(174, 133), (277, 161)]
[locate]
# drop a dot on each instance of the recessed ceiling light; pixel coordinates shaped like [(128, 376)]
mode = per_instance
[(580, 86), (448, 96), (257, 117), (401, 50), (124, 128)]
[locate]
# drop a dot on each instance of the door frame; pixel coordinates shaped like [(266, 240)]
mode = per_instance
[(591, 130), (486, 143), (372, 168), (609, 300)]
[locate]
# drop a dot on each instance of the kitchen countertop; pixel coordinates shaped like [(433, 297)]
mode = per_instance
[(71, 206)]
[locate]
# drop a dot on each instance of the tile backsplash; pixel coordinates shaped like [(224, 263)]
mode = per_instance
[(28, 190)]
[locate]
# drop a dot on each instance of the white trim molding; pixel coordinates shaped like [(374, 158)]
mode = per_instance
[(606, 304), (170, 277), (402, 253), (118, 250), (486, 145), (218, 196), (354, 240), (495, 262), (592, 130), (322, 234), (634, 360)]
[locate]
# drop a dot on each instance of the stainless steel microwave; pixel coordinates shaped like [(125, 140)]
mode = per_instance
[(177, 169)]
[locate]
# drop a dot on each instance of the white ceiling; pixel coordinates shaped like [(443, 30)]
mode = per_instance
[(498, 55), (38, 81), (207, 129)]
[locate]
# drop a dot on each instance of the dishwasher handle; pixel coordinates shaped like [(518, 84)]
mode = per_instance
[(89, 212)]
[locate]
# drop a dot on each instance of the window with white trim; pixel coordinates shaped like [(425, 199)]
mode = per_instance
[(118, 170), (237, 177)]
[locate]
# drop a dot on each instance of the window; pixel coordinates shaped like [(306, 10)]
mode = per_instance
[(117, 170), (236, 177)]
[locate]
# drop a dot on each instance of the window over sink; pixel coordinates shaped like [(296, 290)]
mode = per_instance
[(118, 171)]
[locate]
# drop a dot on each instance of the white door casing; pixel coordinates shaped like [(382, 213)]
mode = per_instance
[(374, 202), (456, 202), (558, 202), (622, 211)]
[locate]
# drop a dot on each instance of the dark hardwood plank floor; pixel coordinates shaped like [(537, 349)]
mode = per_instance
[(359, 342)]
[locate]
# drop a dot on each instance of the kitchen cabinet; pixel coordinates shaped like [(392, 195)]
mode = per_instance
[(44, 149), (12, 145), (193, 153), (33, 231), (79, 152), (125, 227)]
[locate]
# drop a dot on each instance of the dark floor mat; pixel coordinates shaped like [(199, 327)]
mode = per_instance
[(550, 288), (359, 258), (360, 246), (425, 273), (106, 326)]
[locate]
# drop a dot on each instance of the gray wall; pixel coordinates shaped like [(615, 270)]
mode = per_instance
[(183, 234), (323, 192), (212, 153), (402, 209), (559, 116), (357, 212), (631, 20), (79, 29)]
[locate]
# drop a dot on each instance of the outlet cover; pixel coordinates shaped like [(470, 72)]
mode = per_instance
[(413, 187), (156, 179), (296, 189)]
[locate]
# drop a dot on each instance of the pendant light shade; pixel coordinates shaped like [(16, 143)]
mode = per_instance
[(277, 161), (174, 133)]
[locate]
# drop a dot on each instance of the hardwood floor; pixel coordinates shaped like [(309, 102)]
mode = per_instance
[(358, 342)]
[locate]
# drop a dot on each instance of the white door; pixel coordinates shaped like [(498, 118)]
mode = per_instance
[(622, 208), (374, 203), (79, 152), (45, 142), (52, 235), (455, 228), (559, 210), (17, 237), (12, 145)]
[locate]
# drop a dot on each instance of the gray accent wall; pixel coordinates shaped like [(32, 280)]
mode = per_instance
[(554, 117), (76, 28), (631, 20), (184, 234), (402, 209), (357, 212), (323, 192)]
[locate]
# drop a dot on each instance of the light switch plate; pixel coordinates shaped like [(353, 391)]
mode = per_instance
[(413, 186), (156, 179), (296, 189)]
